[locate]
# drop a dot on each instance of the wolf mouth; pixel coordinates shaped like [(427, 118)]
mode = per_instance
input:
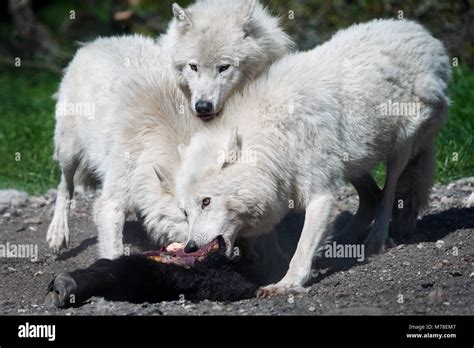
[(181, 258), (209, 117)]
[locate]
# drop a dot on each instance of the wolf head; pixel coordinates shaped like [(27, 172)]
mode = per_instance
[(219, 46), (215, 198)]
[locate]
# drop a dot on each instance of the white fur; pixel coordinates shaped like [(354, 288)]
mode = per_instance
[(135, 129), (239, 34), (130, 143), (314, 120)]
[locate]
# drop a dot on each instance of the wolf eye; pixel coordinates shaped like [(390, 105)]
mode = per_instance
[(193, 67), (223, 68), (205, 202)]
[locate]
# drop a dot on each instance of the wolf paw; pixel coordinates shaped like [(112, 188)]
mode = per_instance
[(58, 235), (379, 246), (273, 290)]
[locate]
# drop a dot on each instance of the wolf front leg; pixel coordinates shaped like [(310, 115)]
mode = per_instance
[(319, 216), (109, 217)]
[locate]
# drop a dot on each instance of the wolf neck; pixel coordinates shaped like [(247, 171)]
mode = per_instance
[(265, 191)]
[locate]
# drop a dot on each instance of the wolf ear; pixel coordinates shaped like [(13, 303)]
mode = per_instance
[(246, 11), (163, 179), (183, 20), (232, 149)]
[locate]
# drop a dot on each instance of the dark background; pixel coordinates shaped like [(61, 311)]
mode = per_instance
[(44, 29)]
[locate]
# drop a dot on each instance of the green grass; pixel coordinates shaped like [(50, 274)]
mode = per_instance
[(27, 123), (458, 135), (26, 128)]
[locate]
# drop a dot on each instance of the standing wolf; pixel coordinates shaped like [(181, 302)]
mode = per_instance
[(374, 92), (120, 114)]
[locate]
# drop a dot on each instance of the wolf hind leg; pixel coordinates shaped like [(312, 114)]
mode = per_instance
[(369, 198), (413, 191), (58, 231), (378, 234)]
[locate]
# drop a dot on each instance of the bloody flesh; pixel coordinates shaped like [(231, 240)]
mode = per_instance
[(181, 258)]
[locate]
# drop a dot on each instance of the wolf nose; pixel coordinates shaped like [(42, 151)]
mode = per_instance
[(191, 247), (203, 107)]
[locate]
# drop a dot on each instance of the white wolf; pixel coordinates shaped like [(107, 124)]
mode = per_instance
[(218, 46), (132, 131), (120, 111), (313, 120)]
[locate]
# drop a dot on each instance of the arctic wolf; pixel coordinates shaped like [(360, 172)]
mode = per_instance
[(218, 46), (128, 143), (314, 120), (120, 116)]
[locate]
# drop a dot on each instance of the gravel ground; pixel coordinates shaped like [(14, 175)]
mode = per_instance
[(431, 274)]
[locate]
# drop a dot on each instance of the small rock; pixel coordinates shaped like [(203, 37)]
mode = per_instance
[(51, 195), (401, 246), (39, 201), (32, 229), (20, 228), (312, 308), (439, 265), (406, 263), (7, 215), (436, 295), (466, 181), (216, 307), (470, 201), (11, 269), (439, 244), (13, 198), (38, 273), (455, 273), (420, 246), (446, 263), (446, 200), (33, 220)]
